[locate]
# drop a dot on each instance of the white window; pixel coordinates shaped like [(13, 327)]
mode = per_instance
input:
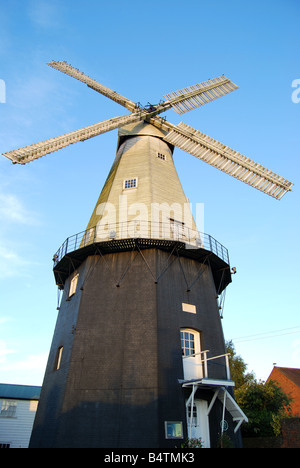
[(187, 343), (130, 183), (73, 285), (58, 358), (191, 354), (8, 409)]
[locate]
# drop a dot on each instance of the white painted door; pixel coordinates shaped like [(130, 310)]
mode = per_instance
[(191, 357), (198, 427)]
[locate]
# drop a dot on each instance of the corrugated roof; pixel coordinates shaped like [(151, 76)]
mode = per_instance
[(20, 392)]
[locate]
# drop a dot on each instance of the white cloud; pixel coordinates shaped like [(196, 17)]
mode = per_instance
[(37, 106), (31, 93), (13, 210), (13, 251), (11, 263), (4, 351), (4, 320), (26, 371), (45, 14), (30, 362)]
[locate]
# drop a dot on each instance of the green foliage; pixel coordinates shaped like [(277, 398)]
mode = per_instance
[(225, 442), (264, 403), (238, 367), (192, 443)]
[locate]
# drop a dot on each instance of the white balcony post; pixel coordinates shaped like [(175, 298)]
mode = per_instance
[(205, 364), (227, 366)]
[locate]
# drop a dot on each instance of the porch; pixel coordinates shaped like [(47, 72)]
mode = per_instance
[(219, 387)]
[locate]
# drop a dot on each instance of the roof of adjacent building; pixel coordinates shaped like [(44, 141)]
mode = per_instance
[(293, 374), (20, 392)]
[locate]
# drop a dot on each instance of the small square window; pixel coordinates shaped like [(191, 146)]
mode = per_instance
[(130, 183), (161, 156)]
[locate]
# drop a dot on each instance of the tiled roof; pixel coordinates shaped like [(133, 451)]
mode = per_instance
[(291, 373)]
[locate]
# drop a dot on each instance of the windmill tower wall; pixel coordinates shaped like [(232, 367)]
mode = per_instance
[(116, 376)]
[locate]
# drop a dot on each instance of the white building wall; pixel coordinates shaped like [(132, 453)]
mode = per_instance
[(16, 430)]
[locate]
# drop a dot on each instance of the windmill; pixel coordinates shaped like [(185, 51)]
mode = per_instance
[(138, 356)]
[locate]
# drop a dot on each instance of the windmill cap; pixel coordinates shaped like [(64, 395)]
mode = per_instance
[(138, 129)]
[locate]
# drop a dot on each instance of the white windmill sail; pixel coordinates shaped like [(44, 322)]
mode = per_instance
[(187, 99), (37, 150), (75, 73), (192, 141), (227, 160)]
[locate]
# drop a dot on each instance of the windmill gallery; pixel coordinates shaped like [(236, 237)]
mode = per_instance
[(138, 356)]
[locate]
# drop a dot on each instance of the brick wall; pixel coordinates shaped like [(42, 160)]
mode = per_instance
[(262, 442), (289, 438), (291, 433)]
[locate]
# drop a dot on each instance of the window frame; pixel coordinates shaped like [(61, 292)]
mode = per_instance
[(58, 358), (8, 408), (173, 425), (161, 156), (130, 181), (186, 342), (192, 360), (73, 285)]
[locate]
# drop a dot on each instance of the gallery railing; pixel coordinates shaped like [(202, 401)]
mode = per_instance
[(143, 230)]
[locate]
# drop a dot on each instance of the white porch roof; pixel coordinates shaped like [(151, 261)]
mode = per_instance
[(221, 392)]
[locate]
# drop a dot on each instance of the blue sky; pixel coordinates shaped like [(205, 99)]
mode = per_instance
[(144, 50)]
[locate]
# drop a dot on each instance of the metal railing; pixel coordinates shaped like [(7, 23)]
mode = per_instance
[(204, 362), (142, 230)]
